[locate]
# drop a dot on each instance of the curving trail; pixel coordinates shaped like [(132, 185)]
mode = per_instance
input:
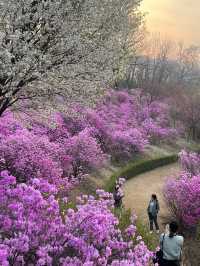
[(138, 190)]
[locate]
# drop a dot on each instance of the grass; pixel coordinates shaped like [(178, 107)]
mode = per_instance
[(151, 240), (123, 215)]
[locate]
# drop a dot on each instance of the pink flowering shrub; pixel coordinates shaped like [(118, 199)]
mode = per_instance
[(182, 194), (190, 162), (8, 124), (98, 128), (124, 123), (74, 143), (155, 120), (183, 197), (27, 155), (85, 152), (47, 152), (34, 233), (123, 144), (156, 132)]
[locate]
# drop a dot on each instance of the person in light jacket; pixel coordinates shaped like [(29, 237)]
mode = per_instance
[(153, 209), (171, 244)]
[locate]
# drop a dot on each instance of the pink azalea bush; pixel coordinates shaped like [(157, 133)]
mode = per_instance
[(27, 155), (190, 162), (67, 146), (155, 120), (84, 151), (33, 232), (182, 194), (47, 153), (125, 123), (8, 124), (124, 144)]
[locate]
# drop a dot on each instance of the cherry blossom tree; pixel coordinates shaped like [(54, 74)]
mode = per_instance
[(63, 47)]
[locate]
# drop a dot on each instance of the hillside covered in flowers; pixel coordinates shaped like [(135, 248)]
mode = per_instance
[(42, 160)]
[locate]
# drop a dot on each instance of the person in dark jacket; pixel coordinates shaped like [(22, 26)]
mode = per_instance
[(118, 195), (153, 209)]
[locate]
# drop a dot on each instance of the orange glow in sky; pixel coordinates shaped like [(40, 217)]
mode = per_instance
[(178, 20)]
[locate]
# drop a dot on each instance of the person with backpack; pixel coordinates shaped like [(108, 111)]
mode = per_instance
[(152, 210), (171, 245)]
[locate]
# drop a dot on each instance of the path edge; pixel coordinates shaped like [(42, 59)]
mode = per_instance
[(133, 169)]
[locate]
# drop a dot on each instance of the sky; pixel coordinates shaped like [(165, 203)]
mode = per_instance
[(178, 20)]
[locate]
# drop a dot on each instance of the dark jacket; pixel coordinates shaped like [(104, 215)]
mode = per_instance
[(155, 209)]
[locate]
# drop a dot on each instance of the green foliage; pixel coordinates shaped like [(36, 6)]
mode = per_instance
[(123, 216), (151, 240), (135, 168), (63, 206)]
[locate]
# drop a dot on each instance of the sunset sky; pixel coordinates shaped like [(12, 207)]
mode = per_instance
[(175, 19)]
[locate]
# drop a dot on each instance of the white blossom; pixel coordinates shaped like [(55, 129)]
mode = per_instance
[(69, 47)]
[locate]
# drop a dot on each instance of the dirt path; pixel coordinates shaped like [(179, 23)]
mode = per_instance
[(138, 190)]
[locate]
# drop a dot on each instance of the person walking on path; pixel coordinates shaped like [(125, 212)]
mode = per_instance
[(171, 244), (153, 209)]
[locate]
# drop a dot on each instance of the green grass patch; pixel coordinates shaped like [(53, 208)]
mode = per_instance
[(63, 207), (123, 215), (138, 167), (151, 240)]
